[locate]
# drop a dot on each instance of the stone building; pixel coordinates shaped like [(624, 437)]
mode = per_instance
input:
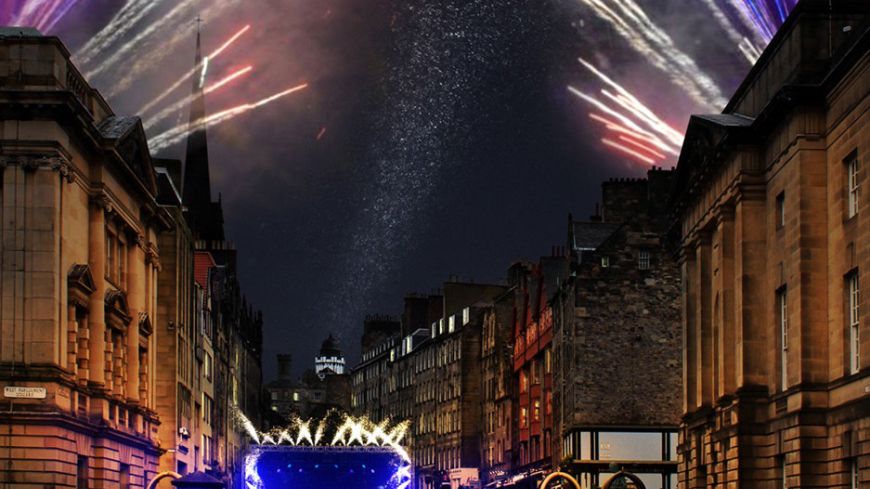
[(368, 378), (311, 396), (534, 285), (498, 391), (231, 331), (78, 280), (179, 378), (774, 225), (329, 360), (617, 339), (432, 376)]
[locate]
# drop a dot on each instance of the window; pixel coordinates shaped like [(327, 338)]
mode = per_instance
[(853, 476), (780, 210), (852, 185), (82, 472), (782, 316), (524, 417), (110, 255), (605, 261), (643, 260), (207, 366), (207, 450), (524, 381), (466, 316), (854, 323), (548, 361), (207, 408), (536, 410), (124, 477)]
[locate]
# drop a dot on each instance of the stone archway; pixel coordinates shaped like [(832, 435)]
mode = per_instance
[(624, 475), (557, 474)]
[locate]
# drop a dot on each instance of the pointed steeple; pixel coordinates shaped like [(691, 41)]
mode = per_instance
[(205, 216)]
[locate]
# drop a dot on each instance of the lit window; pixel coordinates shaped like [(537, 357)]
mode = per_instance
[(466, 316), (853, 185), (605, 261), (643, 260), (524, 417), (782, 306), (780, 210), (854, 323), (451, 324), (853, 477), (536, 411), (296, 396)]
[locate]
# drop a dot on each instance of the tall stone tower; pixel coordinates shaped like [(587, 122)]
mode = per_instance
[(204, 216)]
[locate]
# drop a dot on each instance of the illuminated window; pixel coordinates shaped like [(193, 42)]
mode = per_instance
[(780, 210), (466, 316), (524, 417), (548, 361), (853, 185), (605, 261), (536, 410), (643, 260), (854, 323)]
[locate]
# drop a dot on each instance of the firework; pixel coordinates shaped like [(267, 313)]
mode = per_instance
[(178, 133), (182, 8), (121, 23), (632, 23), (214, 54), (638, 131), (181, 104)]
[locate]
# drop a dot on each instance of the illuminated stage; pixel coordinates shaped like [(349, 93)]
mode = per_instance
[(320, 467), (339, 451)]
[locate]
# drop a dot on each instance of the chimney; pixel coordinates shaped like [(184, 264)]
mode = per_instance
[(285, 364)]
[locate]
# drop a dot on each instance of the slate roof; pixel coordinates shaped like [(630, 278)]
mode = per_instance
[(727, 120), (116, 126), (167, 193), (590, 234)]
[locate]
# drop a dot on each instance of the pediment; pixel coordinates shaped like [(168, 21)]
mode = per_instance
[(128, 137), (145, 328), (80, 284), (117, 311)]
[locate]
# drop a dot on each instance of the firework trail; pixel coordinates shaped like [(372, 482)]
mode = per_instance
[(122, 52), (153, 56), (630, 21), (181, 104), (41, 14), (121, 23), (59, 14), (639, 132), (214, 54), (178, 133)]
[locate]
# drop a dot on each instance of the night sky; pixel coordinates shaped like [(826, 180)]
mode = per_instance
[(451, 145)]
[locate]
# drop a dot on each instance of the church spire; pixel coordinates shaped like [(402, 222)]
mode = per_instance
[(205, 217)]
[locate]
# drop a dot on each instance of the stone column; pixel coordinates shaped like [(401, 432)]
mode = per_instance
[(703, 315), (690, 326), (136, 302), (97, 305), (725, 340)]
